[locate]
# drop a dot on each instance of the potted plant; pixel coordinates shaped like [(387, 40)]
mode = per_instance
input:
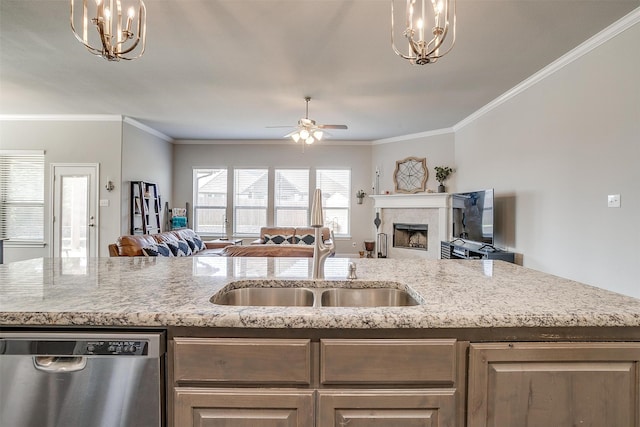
[(442, 173), (360, 195)]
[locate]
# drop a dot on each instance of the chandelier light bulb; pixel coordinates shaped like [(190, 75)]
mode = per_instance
[(430, 30), (295, 137), (116, 35), (304, 134), (318, 135), (310, 140)]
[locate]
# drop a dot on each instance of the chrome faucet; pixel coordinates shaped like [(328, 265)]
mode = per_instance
[(352, 271), (320, 250)]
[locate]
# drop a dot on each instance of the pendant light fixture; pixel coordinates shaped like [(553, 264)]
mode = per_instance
[(430, 30), (116, 36)]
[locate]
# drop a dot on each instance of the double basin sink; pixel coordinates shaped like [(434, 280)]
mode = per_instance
[(331, 294)]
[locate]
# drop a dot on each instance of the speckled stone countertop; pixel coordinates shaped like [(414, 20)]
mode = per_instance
[(157, 292)]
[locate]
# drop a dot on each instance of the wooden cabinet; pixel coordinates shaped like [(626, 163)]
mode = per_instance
[(554, 384), (387, 408), (409, 382), (262, 382), (201, 407)]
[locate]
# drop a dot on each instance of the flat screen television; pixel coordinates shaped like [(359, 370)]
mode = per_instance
[(473, 216)]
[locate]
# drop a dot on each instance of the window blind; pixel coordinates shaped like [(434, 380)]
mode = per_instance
[(22, 195)]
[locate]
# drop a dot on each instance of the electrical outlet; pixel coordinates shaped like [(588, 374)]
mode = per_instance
[(613, 200)]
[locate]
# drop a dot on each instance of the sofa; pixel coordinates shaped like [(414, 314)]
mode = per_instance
[(273, 242), (281, 242), (184, 242)]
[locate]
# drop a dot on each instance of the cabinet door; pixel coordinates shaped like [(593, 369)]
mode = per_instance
[(386, 408), (199, 407), (554, 384)]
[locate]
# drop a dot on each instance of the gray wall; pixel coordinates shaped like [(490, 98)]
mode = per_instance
[(553, 153), (96, 141), (438, 149), (145, 157), (188, 156)]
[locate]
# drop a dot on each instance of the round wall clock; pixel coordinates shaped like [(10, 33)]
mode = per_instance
[(410, 175)]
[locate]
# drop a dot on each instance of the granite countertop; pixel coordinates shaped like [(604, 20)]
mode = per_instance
[(158, 292)]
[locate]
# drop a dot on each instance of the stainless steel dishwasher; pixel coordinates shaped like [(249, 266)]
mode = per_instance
[(71, 379)]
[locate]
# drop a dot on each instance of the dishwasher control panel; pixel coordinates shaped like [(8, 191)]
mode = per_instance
[(116, 347)]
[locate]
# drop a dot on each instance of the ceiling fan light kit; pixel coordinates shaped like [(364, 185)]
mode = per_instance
[(308, 130), (115, 38), (440, 16)]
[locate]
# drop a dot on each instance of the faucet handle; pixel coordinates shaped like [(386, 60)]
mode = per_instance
[(352, 270)]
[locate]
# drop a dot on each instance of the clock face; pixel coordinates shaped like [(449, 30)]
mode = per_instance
[(410, 175)]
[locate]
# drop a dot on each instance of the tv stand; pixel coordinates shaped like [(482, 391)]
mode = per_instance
[(461, 249)]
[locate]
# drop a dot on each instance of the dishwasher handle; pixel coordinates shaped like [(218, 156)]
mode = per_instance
[(58, 364)]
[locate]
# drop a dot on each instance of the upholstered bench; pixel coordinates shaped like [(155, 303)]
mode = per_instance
[(281, 242)]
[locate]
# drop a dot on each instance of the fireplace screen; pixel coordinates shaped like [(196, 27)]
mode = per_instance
[(410, 236)]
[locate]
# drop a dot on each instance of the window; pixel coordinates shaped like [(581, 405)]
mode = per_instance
[(210, 206), (251, 198), (22, 196), (291, 197), (335, 185)]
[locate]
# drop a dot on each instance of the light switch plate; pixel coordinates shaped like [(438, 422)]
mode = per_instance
[(104, 203), (613, 200)]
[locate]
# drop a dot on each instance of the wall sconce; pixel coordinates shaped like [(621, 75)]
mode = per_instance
[(109, 186)]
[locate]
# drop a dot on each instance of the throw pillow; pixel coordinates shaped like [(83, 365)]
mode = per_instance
[(199, 243), (277, 239), (179, 248), (305, 239), (192, 245), (157, 249)]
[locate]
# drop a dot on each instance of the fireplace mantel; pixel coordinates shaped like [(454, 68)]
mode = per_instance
[(439, 201), (423, 200)]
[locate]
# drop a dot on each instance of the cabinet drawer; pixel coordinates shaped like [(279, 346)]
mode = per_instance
[(397, 408), (401, 361), (235, 360)]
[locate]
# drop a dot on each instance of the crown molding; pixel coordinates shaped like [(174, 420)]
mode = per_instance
[(426, 134), (283, 141), (148, 129), (624, 23), (62, 117)]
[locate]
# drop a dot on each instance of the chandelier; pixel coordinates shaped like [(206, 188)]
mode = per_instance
[(421, 15), (116, 36)]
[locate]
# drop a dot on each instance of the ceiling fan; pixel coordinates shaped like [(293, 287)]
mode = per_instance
[(307, 129)]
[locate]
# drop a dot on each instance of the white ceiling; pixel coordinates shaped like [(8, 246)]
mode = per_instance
[(228, 69)]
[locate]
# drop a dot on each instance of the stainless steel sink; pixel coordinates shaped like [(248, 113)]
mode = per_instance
[(366, 297), (299, 297), (328, 294)]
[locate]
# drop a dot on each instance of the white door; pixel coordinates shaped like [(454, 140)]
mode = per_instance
[(75, 221)]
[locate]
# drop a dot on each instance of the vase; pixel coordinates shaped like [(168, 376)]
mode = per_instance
[(360, 200), (441, 188)]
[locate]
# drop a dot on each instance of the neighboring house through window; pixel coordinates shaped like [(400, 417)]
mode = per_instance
[(262, 199), (210, 201), (291, 197)]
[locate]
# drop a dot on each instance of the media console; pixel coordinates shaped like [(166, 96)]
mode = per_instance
[(460, 249)]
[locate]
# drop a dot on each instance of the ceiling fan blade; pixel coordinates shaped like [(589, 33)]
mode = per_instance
[(333, 126)]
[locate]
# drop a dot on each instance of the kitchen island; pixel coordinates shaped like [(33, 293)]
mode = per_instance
[(482, 333)]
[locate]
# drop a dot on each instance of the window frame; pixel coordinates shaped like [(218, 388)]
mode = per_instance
[(236, 206), (276, 206), (346, 208), (38, 158), (197, 207)]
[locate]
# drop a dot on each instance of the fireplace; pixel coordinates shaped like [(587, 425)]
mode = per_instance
[(410, 236)]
